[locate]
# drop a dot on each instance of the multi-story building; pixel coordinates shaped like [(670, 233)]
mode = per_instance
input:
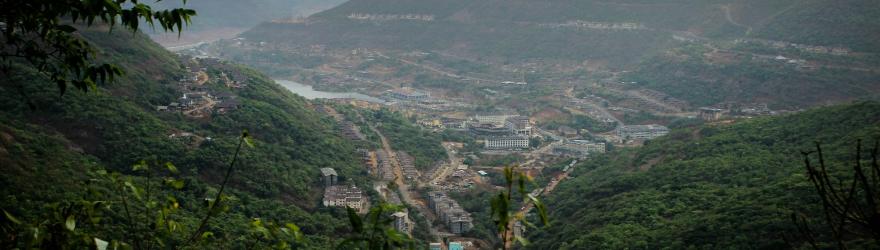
[(450, 213), (518, 229), (329, 176), (401, 222), (519, 125), (641, 132), (507, 142), (579, 148), (384, 169), (498, 119), (407, 164), (345, 196), (711, 114), (488, 129), (453, 123)]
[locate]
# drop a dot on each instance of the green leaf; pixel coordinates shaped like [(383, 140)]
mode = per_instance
[(355, 220), (11, 218), (522, 241), (70, 224), (174, 183), (297, 234), (247, 138), (101, 244), (171, 168), (134, 190), (207, 235), (542, 209), (140, 166)]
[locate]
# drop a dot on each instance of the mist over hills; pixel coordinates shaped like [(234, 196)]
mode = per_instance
[(689, 49), (218, 19)]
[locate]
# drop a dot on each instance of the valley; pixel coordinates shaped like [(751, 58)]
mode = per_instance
[(446, 125)]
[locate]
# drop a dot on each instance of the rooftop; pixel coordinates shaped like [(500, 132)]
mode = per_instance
[(328, 172)]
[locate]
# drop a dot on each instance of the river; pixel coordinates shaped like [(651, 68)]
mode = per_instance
[(310, 93)]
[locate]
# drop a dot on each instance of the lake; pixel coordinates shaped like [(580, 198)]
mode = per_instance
[(310, 93)]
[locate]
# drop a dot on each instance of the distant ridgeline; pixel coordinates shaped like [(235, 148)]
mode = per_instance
[(703, 52), (225, 14), (710, 187), (48, 154)]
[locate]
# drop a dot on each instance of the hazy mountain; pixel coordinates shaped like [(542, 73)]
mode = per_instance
[(226, 18), (703, 52)]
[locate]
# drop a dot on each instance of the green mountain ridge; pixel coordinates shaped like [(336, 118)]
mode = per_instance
[(49, 152), (711, 187)]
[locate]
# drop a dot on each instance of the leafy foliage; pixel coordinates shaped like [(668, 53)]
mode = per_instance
[(502, 205), (41, 33), (374, 231)]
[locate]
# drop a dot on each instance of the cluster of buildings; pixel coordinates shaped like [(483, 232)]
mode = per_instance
[(341, 195), (408, 165), (672, 104), (839, 51), (351, 131), (390, 17), (407, 98), (581, 24), (384, 170), (641, 132), (450, 213), (198, 100), (407, 94), (502, 132), (719, 111), (368, 158)]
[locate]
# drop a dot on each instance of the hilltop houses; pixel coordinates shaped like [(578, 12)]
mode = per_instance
[(402, 222), (329, 177), (336, 195), (345, 196), (450, 213)]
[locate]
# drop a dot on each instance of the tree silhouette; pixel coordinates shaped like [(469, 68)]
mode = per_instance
[(850, 205)]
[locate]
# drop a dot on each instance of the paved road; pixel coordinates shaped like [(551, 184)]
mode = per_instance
[(403, 187)]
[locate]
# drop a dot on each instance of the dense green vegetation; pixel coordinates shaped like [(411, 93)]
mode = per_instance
[(709, 187), (403, 135), (688, 74), (49, 152)]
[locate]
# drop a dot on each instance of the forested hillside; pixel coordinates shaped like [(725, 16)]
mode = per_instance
[(503, 28), (55, 148), (711, 187)]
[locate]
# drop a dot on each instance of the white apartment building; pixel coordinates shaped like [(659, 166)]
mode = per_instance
[(507, 142), (641, 132)]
